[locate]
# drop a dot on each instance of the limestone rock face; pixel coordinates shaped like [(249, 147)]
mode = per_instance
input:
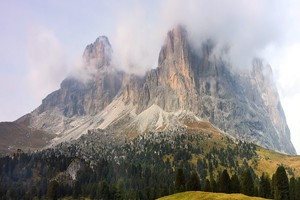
[(78, 98), (74, 167), (198, 82), (98, 53), (246, 106), (171, 86)]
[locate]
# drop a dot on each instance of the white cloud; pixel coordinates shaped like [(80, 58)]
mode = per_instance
[(292, 109), (47, 64), (248, 28), (136, 41), (288, 81)]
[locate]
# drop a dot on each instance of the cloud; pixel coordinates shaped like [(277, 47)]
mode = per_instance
[(248, 28), (47, 62), (287, 77), (292, 109), (81, 71), (136, 40)]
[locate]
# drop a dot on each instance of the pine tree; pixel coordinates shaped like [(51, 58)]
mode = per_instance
[(180, 181), (281, 187), (207, 187), (292, 188), (104, 190), (53, 190), (214, 186), (76, 189), (234, 184), (297, 189), (224, 182), (247, 184), (264, 186), (273, 186), (194, 182)]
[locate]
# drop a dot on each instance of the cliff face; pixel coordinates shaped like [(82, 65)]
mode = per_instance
[(171, 86), (245, 106), (77, 98)]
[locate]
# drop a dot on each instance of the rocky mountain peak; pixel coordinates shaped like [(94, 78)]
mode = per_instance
[(186, 80), (174, 44), (79, 98), (174, 72), (262, 72), (99, 53)]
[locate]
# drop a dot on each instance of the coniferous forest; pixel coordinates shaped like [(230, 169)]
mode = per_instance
[(150, 166)]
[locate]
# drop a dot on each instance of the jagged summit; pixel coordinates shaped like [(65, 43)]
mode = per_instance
[(99, 53), (174, 43), (187, 87)]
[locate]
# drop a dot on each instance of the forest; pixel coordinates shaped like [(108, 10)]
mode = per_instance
[(148, 167)]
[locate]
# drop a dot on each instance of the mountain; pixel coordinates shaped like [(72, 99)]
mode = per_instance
[(189, 86)]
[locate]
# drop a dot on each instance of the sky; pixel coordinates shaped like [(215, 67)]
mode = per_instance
[(41, 42)]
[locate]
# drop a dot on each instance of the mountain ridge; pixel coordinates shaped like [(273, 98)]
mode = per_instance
[(245, 106)]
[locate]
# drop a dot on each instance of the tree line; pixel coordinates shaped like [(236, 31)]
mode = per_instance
[(146, 168), (278, 187)]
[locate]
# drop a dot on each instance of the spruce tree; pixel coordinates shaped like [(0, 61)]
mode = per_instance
[(53, 190), (194, 182), (247, 183), (281, 187), (297, 189), (292, 188), (273, 186), (214, 186), (265, 186), (234, 184), (207, 187), (224, 183), (104, 190), (180, 181)]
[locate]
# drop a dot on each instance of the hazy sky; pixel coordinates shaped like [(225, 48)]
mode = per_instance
[(42, 41)]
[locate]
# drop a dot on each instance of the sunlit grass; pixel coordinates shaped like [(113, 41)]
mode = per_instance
[(208, 196)]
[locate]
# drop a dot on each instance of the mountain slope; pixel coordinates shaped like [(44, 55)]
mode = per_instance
[(188, 83), (102, 165), (16, 136), (199, 140)]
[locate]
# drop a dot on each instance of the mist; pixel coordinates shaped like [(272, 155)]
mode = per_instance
[(248, 28), (139, 28), (46, 60)]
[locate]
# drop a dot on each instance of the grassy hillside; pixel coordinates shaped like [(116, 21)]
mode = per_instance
[(15, 136), (268, 161), (208, 196), (265, 160)]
